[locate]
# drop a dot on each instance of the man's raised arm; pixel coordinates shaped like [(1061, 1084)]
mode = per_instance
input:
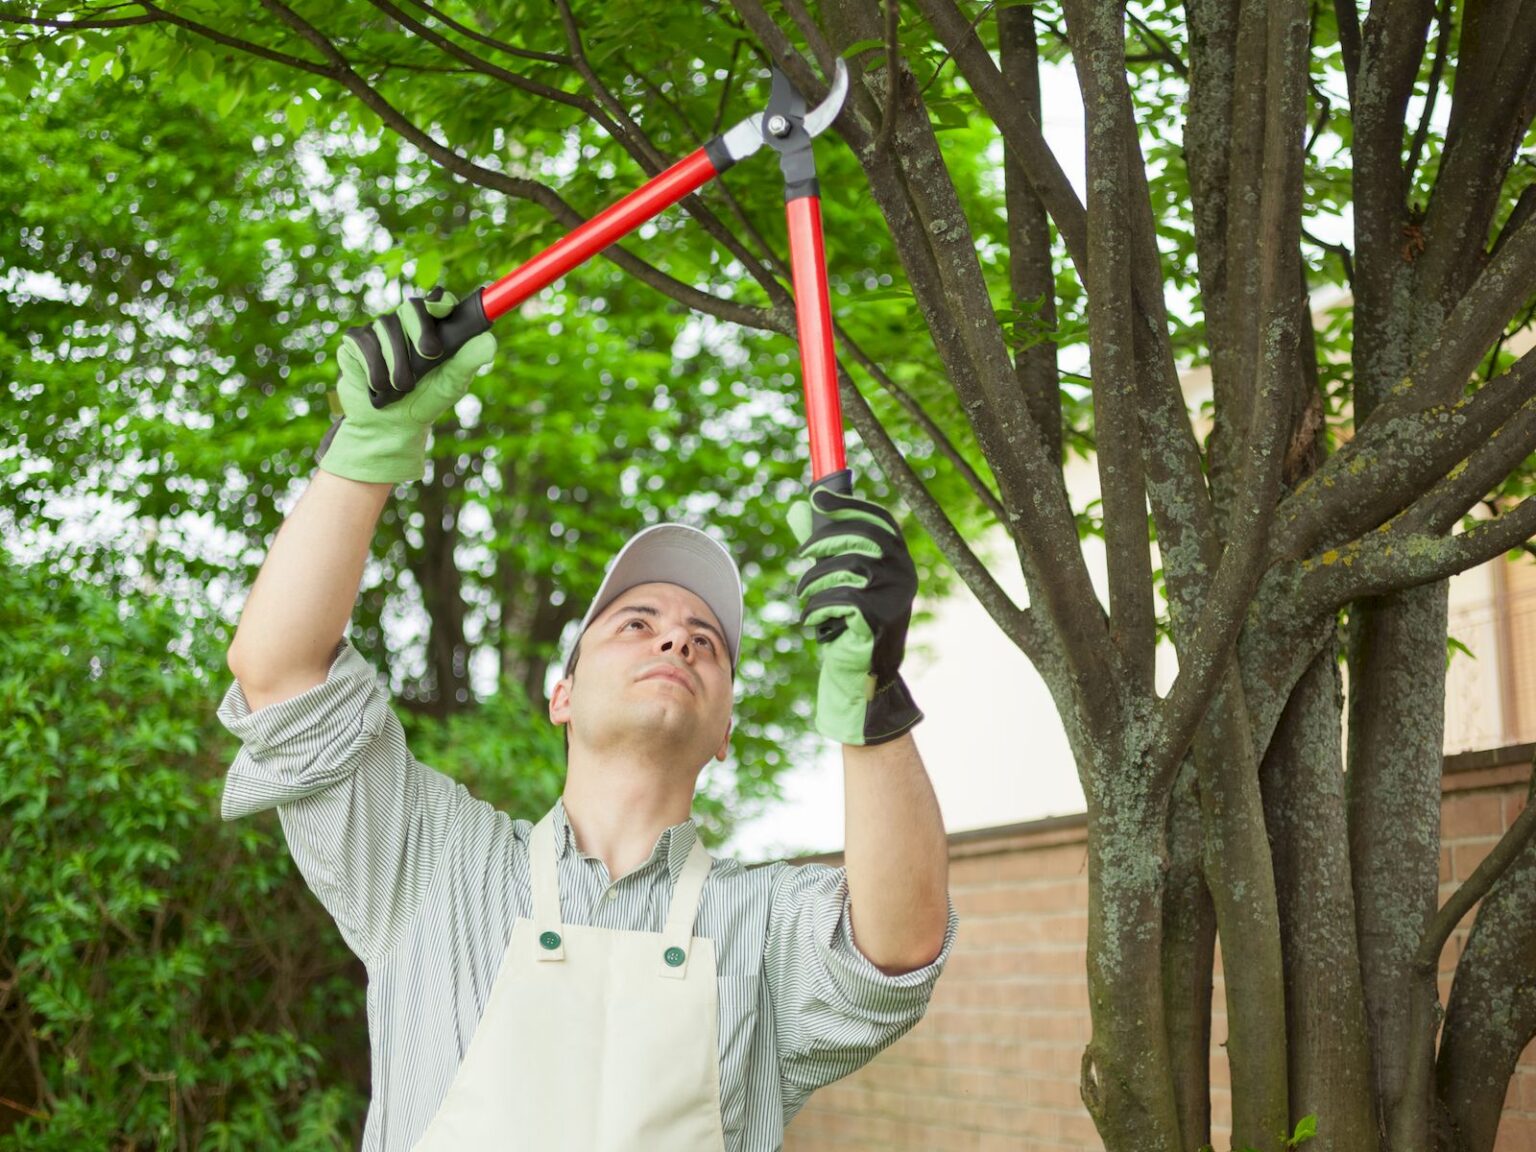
[(303, 596), (296, 613)]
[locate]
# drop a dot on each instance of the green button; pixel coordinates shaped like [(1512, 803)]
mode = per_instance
[(550, 940), (675, 956)]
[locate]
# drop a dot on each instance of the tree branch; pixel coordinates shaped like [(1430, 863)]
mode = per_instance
[(1340, 250), (1237, 342), (1479, 317), (920, 415), (1020, 132), (784, 304), (1348, 17), (1524, 209), (1280, 311), (1387, 66), (821, 47), (498, 45), (1388, 561), (511, 79), (1113, 149), (635, 141), (336, 68), (1159, 48), (71, 25), (1031, 265), (1436, 70), (1448, 501), (860, 111), (1417, 1085), (1394, 455), (1018, 624), (893, 75), (912, 187), (1488, 120)]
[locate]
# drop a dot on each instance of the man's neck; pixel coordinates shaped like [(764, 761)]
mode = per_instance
[(618, 816)]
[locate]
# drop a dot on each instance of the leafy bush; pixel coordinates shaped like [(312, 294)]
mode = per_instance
[(166, 979)]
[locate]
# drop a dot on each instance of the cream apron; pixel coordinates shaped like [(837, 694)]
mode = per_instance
[(593, 1039)]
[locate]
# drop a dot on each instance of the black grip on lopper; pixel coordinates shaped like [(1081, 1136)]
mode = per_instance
[(439, 340), (840, 483)]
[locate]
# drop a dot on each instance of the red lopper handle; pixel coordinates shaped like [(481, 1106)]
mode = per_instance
[(813, 318), (656, 195)]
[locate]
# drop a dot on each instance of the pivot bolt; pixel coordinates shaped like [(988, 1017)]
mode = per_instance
[(778, 126)]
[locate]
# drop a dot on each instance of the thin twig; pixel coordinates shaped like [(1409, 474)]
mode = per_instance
[(948, 55), (486, 67), (1442, 46), (1338, 250), (725, 90), (499, 45), (1161, 49)]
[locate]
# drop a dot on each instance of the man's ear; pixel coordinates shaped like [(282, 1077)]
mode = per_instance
[(560, 702), (725, 742)]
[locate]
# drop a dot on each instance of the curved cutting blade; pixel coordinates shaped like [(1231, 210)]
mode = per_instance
[(818, 118)]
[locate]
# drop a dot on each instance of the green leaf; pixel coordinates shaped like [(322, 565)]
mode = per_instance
[(230, 96), (429, 266), (862, 46), (1453, 646), (297, 114), (21, 75), (392, 261), (1306, 1129), (203, 65)]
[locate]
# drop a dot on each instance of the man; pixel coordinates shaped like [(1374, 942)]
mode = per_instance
[(592, 982)]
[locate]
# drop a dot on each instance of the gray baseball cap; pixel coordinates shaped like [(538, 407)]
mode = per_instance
[(674, 554)]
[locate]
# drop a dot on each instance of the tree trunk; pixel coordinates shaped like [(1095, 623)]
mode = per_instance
[(446, 688), (1127, 1076), (1492, 1012), (1396, 748), (1303, 784), (1240, 874), (1189, 957)]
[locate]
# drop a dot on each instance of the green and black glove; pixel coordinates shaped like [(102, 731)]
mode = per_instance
[(858, 596), (398, 375)]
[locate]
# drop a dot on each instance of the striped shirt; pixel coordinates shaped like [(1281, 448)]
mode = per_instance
[(424, 882)]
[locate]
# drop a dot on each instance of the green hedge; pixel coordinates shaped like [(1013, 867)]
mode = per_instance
[(166, 980)]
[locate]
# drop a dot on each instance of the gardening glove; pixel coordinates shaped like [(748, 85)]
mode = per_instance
[(398, 375), (858, 596)]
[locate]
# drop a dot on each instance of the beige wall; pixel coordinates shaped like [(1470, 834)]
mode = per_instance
[(993, 1066)]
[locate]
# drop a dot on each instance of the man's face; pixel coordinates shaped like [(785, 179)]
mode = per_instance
[(654, 668)]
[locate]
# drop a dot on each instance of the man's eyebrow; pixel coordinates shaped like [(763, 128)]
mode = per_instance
[(693, 621)]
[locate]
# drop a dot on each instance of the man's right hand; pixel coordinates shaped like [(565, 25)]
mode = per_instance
[(388, 445)]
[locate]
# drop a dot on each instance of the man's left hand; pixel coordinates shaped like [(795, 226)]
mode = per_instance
[(858, 596)]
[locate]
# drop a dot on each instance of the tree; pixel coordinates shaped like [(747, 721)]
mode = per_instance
[(1318, 519)]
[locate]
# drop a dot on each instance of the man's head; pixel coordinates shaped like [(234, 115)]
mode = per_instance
[(657, 651)]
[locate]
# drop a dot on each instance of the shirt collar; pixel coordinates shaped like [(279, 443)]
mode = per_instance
[(673, 845)]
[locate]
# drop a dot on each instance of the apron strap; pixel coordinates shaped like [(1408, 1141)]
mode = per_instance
[(675, 942), (677, 936), (548, 928)]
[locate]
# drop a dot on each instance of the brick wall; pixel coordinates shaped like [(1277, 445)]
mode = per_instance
[(993, 1066)]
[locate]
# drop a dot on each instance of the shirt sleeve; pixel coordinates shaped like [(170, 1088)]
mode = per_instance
[(365, 822), (833, 1010)]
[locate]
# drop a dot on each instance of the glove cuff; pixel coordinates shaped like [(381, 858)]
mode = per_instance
[(849, 716), (355, 452), (892, 713)]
